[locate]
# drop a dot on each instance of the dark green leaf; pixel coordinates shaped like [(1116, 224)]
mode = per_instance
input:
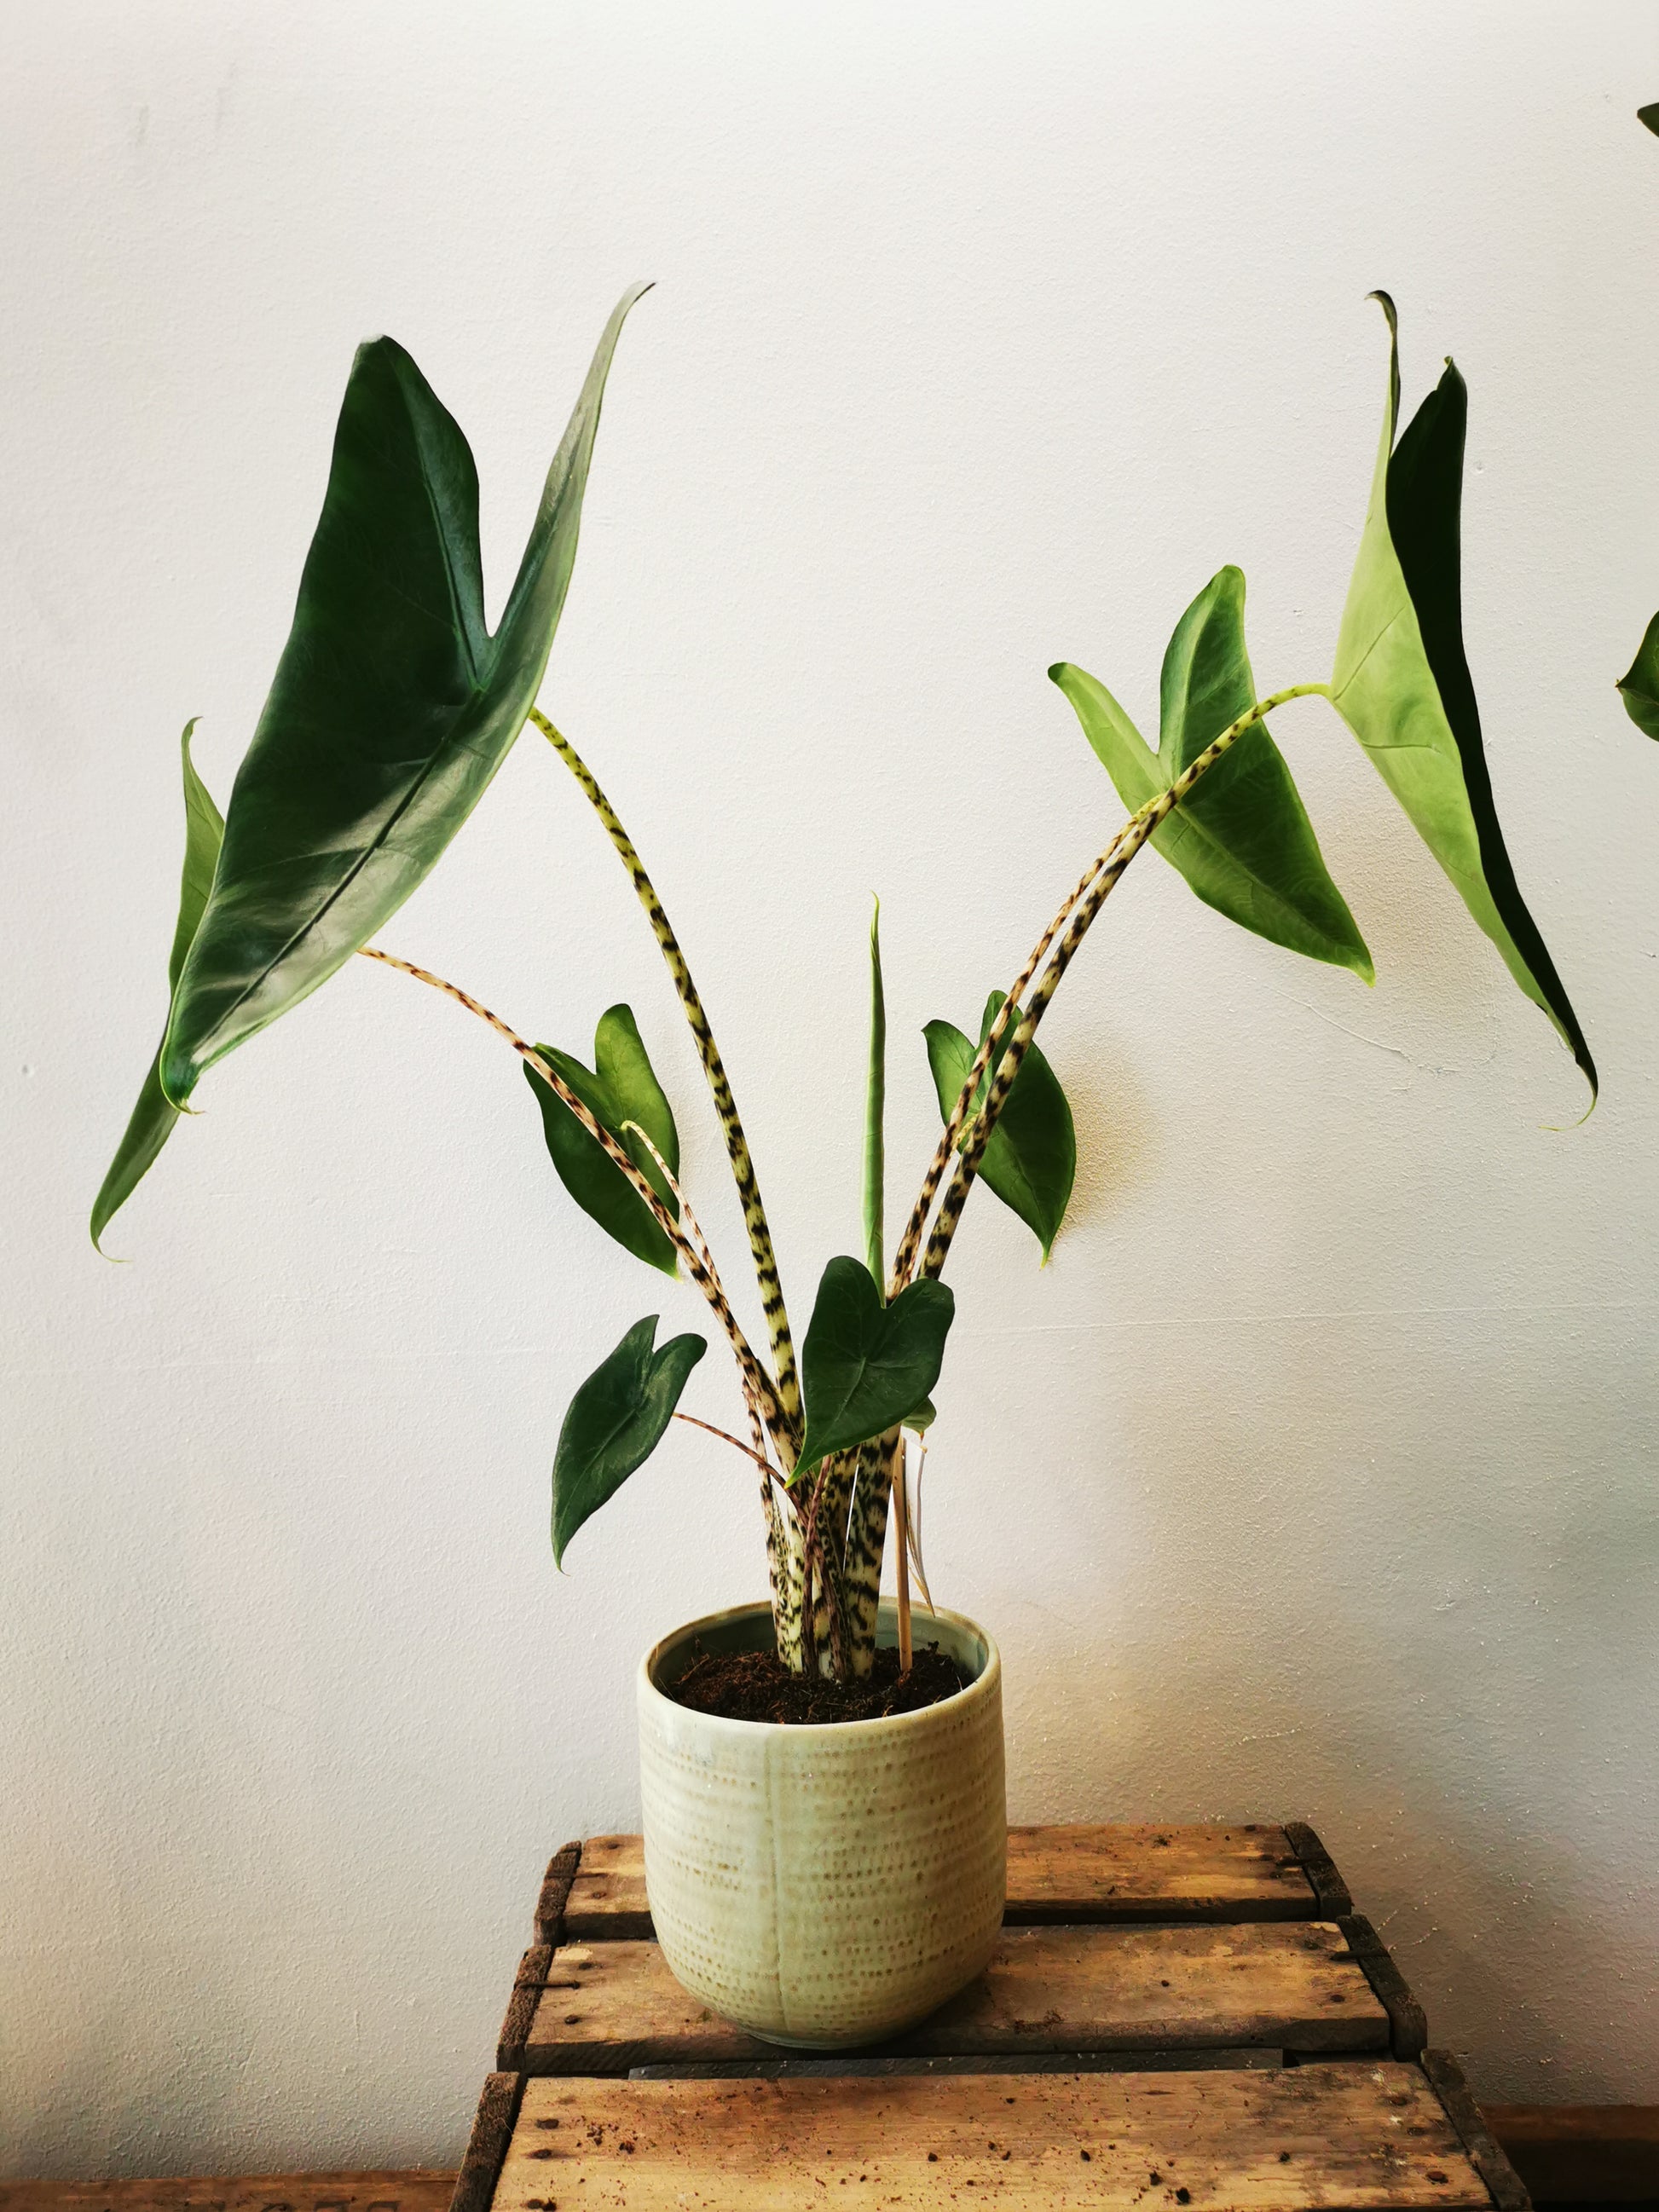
[(1639, 689), (866, 1367), (1031, 1162), (391, 709), (153, 1115), (1402, 683), (620, 1087), (1244, 839), (1650, 116), (616, 1422)]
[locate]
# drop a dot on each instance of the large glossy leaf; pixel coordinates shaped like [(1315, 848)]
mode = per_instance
[(153, 1115), (1243, 840), (1402, 682), (1639, 686), (616, 1422), (392, 705), (620, 1087), (1030, 1161), (865, 1366)]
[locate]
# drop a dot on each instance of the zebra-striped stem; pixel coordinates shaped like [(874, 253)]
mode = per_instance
[(1110, 868), (904, 1259), (756, 1381), (867, 1541), (737, 1145), (833, 1492)]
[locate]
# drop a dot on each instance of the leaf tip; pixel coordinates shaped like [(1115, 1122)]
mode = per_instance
[(1391, 313)]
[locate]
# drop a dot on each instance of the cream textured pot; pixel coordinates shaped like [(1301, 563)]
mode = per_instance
[(824, 1886)]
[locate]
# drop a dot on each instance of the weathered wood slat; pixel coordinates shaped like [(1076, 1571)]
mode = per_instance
[(608, 2007), (1249, 1871), (487, 2146), (607, 1895), (1330, 1891), (1408, 2027), (1446, 2077), (1143, 1872), (415, 2189), (527, 1986), (1369, 2137), (555, 1890)]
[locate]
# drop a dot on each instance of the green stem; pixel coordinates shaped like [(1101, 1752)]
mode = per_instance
[(1106, 874), (787, 1433), (875, 1103)]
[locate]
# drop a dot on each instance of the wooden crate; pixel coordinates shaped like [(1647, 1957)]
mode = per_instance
[(1175, 2016)]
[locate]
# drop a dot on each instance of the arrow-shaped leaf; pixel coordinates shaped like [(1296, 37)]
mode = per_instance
[(1639, 686), (616, 1421), (153, 1115), (1402, 682), (1030, 1161), (620, 1087), (1243, 840), (392, 705), (865, 1367)]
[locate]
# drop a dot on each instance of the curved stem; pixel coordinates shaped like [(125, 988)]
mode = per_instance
[(756, 1379), (1109, 872), (904, 1260), (737, 1145), (727, 1437)]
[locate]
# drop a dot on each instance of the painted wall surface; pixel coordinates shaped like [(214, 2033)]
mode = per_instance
[(1316, 1476)]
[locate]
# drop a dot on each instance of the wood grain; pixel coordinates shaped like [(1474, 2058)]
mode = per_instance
[(1143, 1872), (1124, 1872), (412, 2189), (549, 1927), (486, 2147), (608, 2007), (1581, 2153), (607, 1896), (1368, 2138)]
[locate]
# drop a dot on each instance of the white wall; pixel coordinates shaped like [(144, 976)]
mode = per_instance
[(1315, 1477)]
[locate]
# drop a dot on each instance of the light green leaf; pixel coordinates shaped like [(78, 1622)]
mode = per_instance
[(1639, 687), (1402, 682), (619, 1088), (391, 709), (866, 1367), (875, 1097), (153, 1115), (1030, 1161), (616, 1421), (1243, 840)]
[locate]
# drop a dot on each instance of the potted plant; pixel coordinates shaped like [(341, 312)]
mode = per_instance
[(822, 1783)]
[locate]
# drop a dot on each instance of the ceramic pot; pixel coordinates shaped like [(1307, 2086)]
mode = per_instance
[(826, 1886)]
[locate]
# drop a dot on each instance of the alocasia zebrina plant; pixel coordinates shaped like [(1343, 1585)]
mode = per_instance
[(393, 707)]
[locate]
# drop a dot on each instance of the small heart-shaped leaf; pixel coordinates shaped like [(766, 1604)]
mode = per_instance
[(865, 1367), (616, 1421), (619, 1088), (1031, 1162)]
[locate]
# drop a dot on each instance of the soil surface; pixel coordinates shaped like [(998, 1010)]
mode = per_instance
[(755, 1686)]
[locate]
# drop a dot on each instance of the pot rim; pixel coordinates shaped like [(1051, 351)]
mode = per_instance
[(985, 1683)]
